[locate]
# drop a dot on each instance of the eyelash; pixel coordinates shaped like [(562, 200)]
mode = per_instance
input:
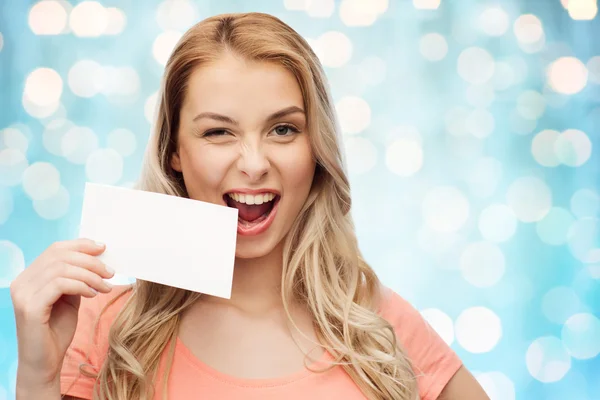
[(289, 126)]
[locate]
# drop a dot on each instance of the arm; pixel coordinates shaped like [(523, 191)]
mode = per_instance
[(463, 386)]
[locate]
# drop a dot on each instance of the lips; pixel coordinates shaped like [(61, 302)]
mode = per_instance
[(256, 210)]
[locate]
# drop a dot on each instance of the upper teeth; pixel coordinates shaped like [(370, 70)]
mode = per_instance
[(252, 199)]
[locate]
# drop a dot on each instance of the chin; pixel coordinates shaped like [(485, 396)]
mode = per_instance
[(248, 248)]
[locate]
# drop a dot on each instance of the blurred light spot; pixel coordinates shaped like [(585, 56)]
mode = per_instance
[(530, 198), (362, 155), (59, 112), (151, 108), (354, 114), (494, 21), (163, 46), (78, 143), (478, 329), (497, 223), (583, 10), (585, 203), (321, 8), (116, 21), (542, 148), (53, 134), (361, 12), (104, 166), (48, 17), (531, 104), (41, 180), (53, 207), (176, 15), (559, 303), (12, 166), (443, 247), (426, 4), (584, 240), (528, 29), (333, 48), (86, 78), (12, 261), (496, 385), (593, 67), (520, 125), (553, 228), (441, 323), (295, 5), (122, 81), (475, 65), (123, 141), (567, 75), (564, 3), (580, 336), (504, 76), (433, 47), (88, 19), (6, 204), (573, 148), (483, 176), (480, 96), (404, 157), (373, 70), (547, 359), (482, 264), (43, 87), (445, 209), (480, 123), (456, 121), (13, 138), (38, 111)]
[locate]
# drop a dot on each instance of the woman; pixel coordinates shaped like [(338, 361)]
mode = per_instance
[(245, 120)]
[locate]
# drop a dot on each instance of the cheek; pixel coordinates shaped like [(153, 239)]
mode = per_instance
[(203, 170), (298, 168)]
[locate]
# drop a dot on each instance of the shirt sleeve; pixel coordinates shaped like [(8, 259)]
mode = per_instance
[(433, 361), (84, 350)]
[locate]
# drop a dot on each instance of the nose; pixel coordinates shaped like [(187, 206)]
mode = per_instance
[(253, 161)]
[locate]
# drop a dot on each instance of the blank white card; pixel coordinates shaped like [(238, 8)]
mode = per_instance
[(160, 238)]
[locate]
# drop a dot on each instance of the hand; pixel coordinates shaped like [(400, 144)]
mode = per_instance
[(46, 298)]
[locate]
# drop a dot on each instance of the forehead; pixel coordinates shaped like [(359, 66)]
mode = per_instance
[(231, 83)]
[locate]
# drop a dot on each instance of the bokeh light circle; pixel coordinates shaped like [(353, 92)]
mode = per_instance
[(433, 46), (86, 78), (404, 157), (482, 264), (573, 147), (78, 143), (361, 154), (163, 46), (41, 180), (581, 334), (584, 239), (497, 223), (43, 87), (497, 385), (528, 29), (176, 14), (480, 123), (478, 329), (531, 104), (475, 65), (542, 148), (354, 114), (12, 261), (123, 141), (547, 359), (7, 204), (494, 21), (567, 75), (559, 303), (104, 166), (585, 203), (48, 18), (554, 227), (334, 49), (88, 19), (53, 207), (445, 209), (530, 198), (13, 164), (13, 138)]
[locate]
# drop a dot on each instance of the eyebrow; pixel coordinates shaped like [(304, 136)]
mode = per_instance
[(223, 118)]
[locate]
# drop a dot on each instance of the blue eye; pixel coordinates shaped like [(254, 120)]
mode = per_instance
[(285, 130)]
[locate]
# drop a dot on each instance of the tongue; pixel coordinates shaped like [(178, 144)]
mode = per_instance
[(251, 212)]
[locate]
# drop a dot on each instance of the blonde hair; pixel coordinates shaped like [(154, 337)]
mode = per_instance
[(322, 265)]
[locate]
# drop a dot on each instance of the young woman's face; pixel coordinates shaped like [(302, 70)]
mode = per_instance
[(242, 143)]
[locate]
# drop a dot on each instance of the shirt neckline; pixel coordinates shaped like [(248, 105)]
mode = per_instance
[(324, 361)]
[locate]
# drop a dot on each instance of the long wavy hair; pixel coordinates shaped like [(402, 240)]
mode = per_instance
[(322, 265)]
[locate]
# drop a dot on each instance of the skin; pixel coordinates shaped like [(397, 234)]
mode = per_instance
[(248, 155)]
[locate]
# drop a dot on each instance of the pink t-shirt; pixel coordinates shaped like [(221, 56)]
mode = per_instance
[(433, 360)]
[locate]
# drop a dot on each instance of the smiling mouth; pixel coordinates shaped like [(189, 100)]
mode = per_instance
[(255, 212)]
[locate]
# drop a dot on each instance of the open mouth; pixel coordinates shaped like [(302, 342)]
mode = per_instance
[(256, 212)]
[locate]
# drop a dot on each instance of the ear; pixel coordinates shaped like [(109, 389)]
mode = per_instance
[(176, 162)]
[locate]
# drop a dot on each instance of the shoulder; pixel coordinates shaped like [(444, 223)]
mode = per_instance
[(433, 360)]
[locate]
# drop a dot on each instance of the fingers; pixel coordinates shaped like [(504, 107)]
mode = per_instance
[(91, 279), (82, 245), (88, 262), (50, 294)]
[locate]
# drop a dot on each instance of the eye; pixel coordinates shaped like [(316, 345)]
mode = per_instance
[(215, 132), (285, 130)]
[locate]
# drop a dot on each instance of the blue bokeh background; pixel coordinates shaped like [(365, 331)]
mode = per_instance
[(471, 130)]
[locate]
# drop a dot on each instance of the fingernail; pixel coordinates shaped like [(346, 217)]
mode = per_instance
[(109, 270), (94, 291), (99, 244), (107, 283)]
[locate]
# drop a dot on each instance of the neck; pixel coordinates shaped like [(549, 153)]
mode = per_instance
[(256, 286)]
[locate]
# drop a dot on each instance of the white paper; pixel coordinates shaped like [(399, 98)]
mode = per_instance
[(166, 239)]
